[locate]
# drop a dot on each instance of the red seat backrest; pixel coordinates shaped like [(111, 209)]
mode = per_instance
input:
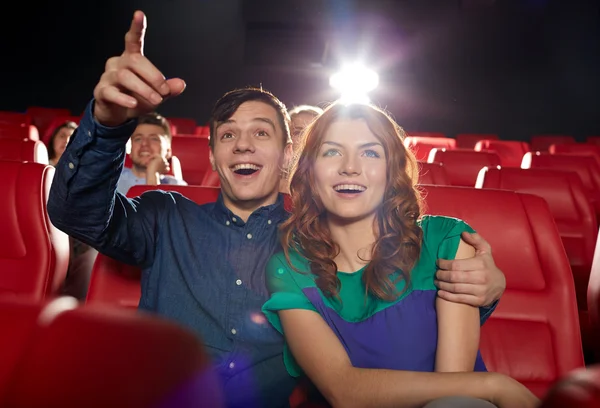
[(192, 152), (15, 118), (593, 301), (586, 167), (211, 179), (433, 173), (184, 126), (578, 389), (34, 255), (595, 140), (42, 117), (56, 122), (543, 142), (421, 145), (533, 335), (463, 165), (425, 134), (510, 152), (116, 283), (469, 140), (570, 207), (91, 357), (579, 149), (12, 131), (23, 150), (202, 131)]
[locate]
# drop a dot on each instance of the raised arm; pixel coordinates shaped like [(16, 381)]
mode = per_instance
[(82, 200), (458, 329)]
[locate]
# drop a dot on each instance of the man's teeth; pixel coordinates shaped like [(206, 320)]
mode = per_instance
[(353, 187), (245, 167)]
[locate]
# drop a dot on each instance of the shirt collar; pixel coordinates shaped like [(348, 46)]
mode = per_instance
[(275, 212)]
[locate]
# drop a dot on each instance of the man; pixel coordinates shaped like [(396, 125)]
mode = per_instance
[(150, 151), (301, 116), (203, 266)]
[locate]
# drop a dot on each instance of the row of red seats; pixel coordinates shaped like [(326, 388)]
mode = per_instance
[(59, 354), (56, 354), (37, 123), (533, 335)]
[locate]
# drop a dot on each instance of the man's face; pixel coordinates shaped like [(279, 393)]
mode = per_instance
[(148, 141), (249, 154)]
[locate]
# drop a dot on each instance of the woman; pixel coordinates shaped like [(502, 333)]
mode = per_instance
[(353, 291), (58, 141)]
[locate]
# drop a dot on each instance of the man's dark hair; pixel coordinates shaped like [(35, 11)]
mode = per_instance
[(156, 119), (229, 103)]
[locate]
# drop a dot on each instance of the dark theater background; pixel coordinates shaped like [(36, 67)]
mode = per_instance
[(511, 67)]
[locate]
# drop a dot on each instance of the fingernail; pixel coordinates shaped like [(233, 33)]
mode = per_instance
[(155, 98), (164, 89)]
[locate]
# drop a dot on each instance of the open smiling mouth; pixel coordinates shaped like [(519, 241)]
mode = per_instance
[(349, 188), (245, 169)]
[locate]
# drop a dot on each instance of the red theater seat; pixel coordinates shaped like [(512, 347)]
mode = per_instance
[(192, 152), (595, 140), (510, 152), (34, 255), (462, 165), (572, 212), (579, 149), (202, 131), (115, 283), (586, 167), (23, 150), (425, 134), (211, 179), (183, 125), (421, 145), (433, 173), (42, 117), (533, 335), (12, 131), (469, 140), (15, 118), (543, 142), (578, 389), (593, 301), (63, 356), (56, 122)]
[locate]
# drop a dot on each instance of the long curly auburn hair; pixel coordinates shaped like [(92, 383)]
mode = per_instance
[(398, 236)]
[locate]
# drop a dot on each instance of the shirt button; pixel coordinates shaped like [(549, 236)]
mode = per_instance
[(234, 219), (89, 133), (238, 282), (269, 222), (71, 166), (233, 331), (249, 236), (227, 222), (231, 365)]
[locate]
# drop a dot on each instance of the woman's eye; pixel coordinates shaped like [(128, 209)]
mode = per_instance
[(331, 152), (371, 153)]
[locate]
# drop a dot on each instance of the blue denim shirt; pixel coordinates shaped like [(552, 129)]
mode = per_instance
[(202, 266)]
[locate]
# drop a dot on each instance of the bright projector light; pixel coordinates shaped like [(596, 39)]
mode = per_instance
[(354, 82)]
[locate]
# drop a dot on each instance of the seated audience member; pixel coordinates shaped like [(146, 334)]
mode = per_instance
[(150, 151), (203, 266), (353, 290), (58, 141), (301, 116)]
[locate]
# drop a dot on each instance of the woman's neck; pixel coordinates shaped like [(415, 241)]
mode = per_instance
[(355, 240)]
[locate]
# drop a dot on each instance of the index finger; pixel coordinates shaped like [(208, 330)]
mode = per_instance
[(134, 39)]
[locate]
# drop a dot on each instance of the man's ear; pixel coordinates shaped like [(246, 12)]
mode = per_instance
[(211, 158)]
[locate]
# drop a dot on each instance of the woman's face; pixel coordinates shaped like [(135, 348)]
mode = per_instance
[(60, 141), (350, 171)]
